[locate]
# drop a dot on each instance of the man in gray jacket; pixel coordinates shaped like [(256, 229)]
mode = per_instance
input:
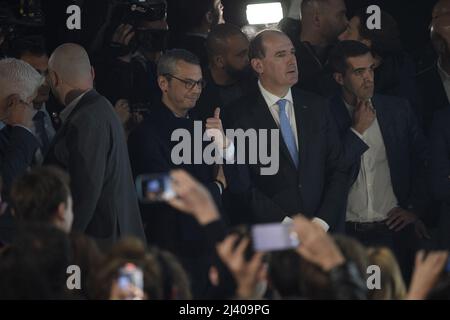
[(91, 146)]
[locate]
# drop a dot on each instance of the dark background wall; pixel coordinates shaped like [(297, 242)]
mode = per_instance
[(413, 17)]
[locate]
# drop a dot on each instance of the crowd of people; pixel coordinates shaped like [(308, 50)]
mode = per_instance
[(363, 176)]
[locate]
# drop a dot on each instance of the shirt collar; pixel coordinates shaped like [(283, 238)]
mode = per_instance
[(71, 106), (272, 99)]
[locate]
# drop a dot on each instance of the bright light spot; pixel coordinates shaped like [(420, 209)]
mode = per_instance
[(264, 13)]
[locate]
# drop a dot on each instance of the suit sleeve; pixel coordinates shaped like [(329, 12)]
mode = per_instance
[(352, 149), (440, 163), (335, 190), (17, 154), (88, 153)]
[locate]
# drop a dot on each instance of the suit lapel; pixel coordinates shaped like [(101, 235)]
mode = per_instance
[(386, 124), (61, 131), (304, 128), (340, 113)]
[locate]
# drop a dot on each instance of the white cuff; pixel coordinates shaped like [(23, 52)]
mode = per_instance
[(357, 133), (228, 153), (321, 223)]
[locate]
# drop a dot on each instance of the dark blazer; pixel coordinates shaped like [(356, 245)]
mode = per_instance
[(91, 146), (440, 168), (406, 148), (150, 149), (316, 188), (432, 95), (17, 149), (314, 76)]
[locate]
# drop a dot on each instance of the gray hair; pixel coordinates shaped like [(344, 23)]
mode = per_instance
[(168, 62), (18, 77)]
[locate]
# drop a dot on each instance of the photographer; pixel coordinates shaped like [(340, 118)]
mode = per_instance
[(127, 65)]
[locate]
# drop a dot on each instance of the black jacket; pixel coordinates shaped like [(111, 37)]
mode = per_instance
[(406, 148), (440, 164), (317, 187)]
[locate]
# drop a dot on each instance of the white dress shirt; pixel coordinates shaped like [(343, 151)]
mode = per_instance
[(371, 197), (271, 101)]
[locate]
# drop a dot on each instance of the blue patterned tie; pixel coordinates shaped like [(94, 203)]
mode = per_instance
[(286, 132)]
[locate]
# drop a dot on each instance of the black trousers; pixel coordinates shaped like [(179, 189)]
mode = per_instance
[(403, 243)]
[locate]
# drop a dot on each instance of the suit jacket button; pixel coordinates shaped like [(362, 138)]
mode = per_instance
[(300, 186)]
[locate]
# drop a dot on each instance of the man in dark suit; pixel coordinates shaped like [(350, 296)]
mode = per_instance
[(152, 151), (91, 146), (18, 87), (434, 81), (308, 179), (321, 24), (385, 152), (440, 165)]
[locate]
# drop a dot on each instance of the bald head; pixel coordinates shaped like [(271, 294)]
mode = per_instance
[(441, 8), (72, 65)]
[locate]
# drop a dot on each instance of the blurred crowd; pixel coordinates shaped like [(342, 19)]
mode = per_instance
[(363, 177)]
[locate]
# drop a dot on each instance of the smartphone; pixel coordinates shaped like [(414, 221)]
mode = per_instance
[(130, 277), (154, 188), (274, 237)]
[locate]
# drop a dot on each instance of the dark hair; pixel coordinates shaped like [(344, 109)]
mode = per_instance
[(167, 64), (295, 277), (174, 279), (87, 255), (20, 279), (163, 274), (256, 49), (29, 44), (48, 248), (216, 41), (386, 40), (343, 50), (37, 194)]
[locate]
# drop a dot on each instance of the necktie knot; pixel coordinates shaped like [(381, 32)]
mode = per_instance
[(282, 104), (39, 115)]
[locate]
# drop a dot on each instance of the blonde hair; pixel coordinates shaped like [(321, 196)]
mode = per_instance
[(392, 284)]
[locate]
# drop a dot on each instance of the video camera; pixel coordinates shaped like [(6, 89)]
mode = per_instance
[(142, 10), (134, 13)]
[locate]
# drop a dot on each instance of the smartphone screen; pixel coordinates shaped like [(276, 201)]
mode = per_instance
[(154, 188), (130, 276), (274, 237)]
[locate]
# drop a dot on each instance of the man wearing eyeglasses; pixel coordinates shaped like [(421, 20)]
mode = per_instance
[(150, 146)]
